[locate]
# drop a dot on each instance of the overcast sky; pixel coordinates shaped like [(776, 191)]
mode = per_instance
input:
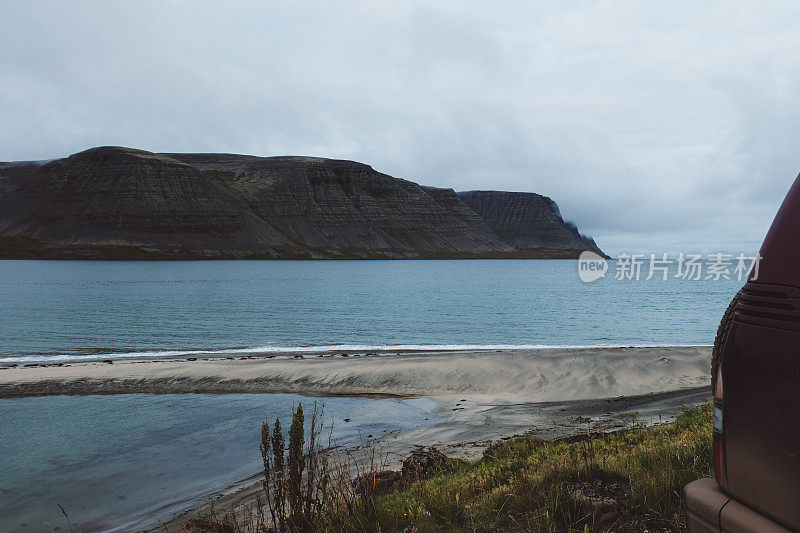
[(655, 126)]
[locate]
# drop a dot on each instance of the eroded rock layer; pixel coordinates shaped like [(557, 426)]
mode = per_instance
[(122, 203)]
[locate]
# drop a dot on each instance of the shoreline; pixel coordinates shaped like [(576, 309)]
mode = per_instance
[(466, 435), (481, 397), (32, 360)]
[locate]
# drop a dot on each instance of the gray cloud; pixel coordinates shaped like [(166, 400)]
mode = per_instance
[(654, 128)]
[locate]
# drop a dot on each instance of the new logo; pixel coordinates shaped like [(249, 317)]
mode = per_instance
[(591, 266)]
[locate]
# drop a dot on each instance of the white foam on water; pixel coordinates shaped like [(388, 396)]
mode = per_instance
[(311, 350)]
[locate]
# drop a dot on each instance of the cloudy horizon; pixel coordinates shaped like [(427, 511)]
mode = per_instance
[(657, 129)]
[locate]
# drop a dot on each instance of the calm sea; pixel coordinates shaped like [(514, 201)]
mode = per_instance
[(52, 310)]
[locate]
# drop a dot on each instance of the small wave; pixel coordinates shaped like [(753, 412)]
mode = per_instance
[(322, 349)]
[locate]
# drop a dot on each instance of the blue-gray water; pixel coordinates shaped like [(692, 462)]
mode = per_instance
[(112, 461), (52, 309), (109, 459)]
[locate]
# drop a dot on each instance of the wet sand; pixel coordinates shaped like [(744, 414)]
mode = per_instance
[(509, 376)]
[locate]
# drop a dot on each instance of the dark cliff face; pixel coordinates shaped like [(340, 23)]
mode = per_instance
[(527, 221), (118, 202), (113, 202)]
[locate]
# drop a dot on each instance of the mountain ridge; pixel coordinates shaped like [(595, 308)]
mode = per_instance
[(124, 203)]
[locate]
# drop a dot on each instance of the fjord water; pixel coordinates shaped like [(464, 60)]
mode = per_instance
[(51, 310), (123, 462)]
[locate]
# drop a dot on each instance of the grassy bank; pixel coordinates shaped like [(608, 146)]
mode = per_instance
[(528, 484), (629, 480)]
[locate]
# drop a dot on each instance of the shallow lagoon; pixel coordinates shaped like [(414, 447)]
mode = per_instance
[(118, 462)]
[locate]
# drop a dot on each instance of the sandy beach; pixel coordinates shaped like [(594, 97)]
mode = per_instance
[(481, 396), (510, 376)]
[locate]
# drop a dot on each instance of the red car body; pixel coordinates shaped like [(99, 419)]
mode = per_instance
[(757, 397)]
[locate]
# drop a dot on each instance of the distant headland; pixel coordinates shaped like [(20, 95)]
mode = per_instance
[(123, 203)]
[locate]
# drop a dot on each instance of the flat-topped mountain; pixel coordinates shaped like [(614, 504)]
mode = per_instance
[(122, 203)]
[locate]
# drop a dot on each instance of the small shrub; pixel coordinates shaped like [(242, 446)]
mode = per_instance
[(294, 489)]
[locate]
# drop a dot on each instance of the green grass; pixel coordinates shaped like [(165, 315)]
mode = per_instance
[(526, 484)]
